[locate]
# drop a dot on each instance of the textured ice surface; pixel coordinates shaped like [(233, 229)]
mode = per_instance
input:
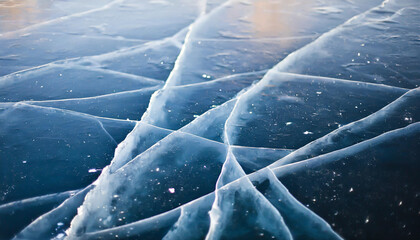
[(288, 110), (35, 139), (348, 179), (123, 119)]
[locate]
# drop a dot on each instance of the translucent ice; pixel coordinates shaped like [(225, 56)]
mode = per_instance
[(124, 119)]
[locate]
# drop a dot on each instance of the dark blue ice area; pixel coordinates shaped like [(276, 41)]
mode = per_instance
[(209, 119)]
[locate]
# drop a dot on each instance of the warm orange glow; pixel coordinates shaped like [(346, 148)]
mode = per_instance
[(17, 14), (276, 18)]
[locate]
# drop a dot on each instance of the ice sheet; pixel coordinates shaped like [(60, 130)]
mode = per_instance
[(194, 119)]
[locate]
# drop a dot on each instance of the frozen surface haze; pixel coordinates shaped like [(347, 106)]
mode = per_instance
[(209, 119)]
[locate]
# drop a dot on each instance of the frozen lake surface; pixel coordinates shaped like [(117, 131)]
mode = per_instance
[(209, 119)]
